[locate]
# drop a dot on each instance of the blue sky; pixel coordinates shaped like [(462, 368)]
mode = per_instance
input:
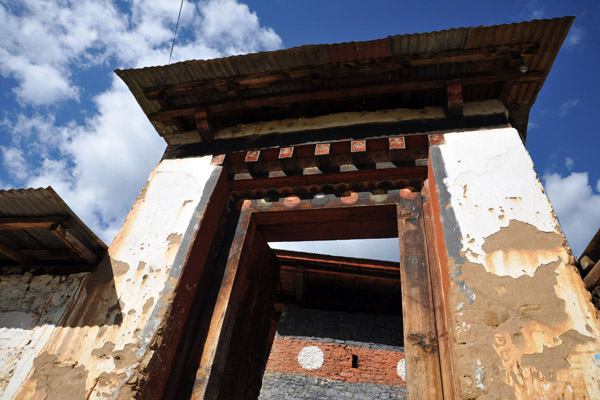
[(67, 121)]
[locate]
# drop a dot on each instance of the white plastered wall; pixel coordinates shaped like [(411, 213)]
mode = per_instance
[(108, 350), (522, 322)]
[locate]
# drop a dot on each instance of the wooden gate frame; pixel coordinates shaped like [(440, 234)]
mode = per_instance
[(352, 215)]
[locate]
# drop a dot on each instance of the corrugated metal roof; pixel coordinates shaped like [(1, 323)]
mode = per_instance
[(549, 34), (42, 245)]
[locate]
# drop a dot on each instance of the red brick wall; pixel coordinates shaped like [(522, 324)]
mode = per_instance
[(374, 366)]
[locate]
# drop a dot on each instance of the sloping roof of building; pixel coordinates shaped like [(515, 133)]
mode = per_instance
[(336, 282), (38, 231), (242, 89)]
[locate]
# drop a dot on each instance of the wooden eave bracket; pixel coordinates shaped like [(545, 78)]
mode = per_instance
[(203, 124), (454, 100)]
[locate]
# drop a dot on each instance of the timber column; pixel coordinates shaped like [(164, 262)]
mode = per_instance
[(521, 323)]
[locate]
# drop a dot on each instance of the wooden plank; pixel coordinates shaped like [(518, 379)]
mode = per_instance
[(439, 282), (63, 234), (246, 356), (16, 255), (372, 89), (333, 231), (586, 263), (225, 370), (214, 353), (408, 173), (593, 277), (32, 222), (420, 336)]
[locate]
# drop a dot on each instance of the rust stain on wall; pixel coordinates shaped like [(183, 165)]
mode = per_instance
[(59, 380), (126, 357), (522, 236), (147, 305), (105, 351), (119, 267), (538, 349)]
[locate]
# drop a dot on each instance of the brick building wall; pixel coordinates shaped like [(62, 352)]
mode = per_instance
[(327, 354)]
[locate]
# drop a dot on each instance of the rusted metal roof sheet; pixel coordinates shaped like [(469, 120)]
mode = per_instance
[(42, 243), (549, 34)]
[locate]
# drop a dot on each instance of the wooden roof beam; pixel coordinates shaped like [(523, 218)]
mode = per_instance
[(279, 100), (18, 223), (16, 255), (346, 273), (67, 238)]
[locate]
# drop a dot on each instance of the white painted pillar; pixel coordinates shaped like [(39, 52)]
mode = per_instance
[(107, 339), (522, 323)]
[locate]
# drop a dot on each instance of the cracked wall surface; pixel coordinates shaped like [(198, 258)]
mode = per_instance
[(102, 337), (523, 324)]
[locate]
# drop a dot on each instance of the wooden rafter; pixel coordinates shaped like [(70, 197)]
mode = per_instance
[(16, 255), (63, 234), (33, 222), (278, 100)]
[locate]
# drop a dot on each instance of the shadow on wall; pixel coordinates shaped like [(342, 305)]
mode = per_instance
[(81, 299)]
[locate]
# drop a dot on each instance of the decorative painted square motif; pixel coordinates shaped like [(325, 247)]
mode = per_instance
[(218, 159), (358, 146), (436, 139), (397, 143), (286, 152), (322, 149), (252, 156)]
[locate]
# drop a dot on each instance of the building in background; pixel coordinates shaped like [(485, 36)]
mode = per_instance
[(419, 137)]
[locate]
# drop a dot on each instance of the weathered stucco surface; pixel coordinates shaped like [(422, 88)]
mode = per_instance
[(30, 308), (524, 326), (105, 326)]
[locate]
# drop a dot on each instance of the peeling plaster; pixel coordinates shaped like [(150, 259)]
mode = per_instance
[(505, 247), (142, 271)]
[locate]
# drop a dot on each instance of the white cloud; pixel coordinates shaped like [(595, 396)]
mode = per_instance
[(233, 26), (574, 37), (569, 162), (14, 162), (567, 106), (43, 84), (577, 206), (99, 166), (537, 13)]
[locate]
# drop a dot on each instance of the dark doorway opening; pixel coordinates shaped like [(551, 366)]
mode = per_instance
[(236, 343)]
